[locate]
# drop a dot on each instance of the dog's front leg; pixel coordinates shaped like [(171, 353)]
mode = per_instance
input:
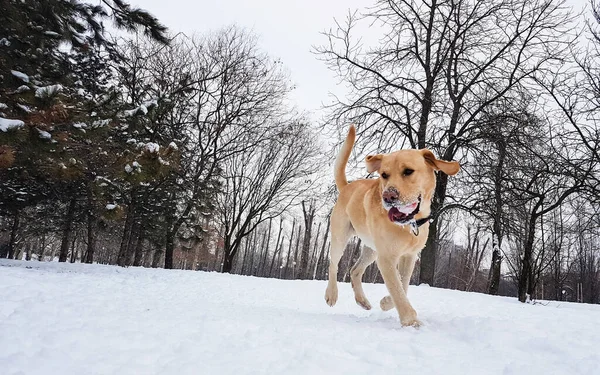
[(388, 267)]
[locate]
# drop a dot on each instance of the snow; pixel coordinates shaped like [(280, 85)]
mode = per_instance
[(173, 145), (152, 147), (128, 168), (100, 123), (7, 124), (94, 319), (25, 108), (44, 134), (52, 34), (111, 206), (48, 91), (20, 75), (3, 106), (138, 110), (21, 89)]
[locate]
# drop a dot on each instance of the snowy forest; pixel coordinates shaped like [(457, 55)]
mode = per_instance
[(126, 143)]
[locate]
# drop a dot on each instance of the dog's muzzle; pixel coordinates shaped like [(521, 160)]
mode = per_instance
[(402, 213)]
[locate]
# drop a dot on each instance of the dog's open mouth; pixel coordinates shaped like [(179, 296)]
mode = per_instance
[(404, 214)]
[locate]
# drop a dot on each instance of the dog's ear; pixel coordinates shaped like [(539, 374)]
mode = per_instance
[(373, 162), (448, 167)]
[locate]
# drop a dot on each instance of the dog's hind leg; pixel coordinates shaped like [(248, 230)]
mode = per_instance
[(341, 230), (367, 256)]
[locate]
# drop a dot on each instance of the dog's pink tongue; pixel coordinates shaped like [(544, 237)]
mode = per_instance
[(392, 213), (408, 208)]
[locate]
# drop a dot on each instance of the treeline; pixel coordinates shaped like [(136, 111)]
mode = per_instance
[(117, 150), (508, 88), (162, 150)]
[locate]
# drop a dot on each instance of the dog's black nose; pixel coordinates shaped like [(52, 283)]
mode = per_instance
[(390, 196)]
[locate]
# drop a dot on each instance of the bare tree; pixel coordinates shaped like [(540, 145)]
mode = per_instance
[(437, 67), (262, 183)]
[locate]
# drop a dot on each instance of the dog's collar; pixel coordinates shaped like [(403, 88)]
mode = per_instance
[(415, 224)]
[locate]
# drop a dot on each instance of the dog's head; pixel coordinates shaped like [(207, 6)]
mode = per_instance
[(407, 179)]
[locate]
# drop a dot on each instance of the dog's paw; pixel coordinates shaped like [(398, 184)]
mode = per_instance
[(386, 303), (363, 302), (331, 295), (415, 323), (409, 319)]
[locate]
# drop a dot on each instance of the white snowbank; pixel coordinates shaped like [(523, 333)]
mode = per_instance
[(7, 124), (92, 319)]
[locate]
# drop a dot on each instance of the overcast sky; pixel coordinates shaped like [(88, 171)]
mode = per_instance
[(287, 30)]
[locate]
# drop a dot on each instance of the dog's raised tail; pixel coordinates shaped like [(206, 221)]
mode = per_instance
[(342, 159)]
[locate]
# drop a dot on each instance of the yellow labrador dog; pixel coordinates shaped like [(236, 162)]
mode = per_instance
[(390, 215)]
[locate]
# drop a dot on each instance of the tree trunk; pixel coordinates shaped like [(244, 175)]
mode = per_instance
[(296, 253), (495, 267), (312, 265), (137, 257), (526, 268), (68, 228), (227, 263), (494, 276), (320, 267), (244, 255), (309, 216), (127, 232), (91, 227), (429, 253), (263, 243), (12, 245), (169, 249), (263, 264), (289, 255), (158, 252), (277, 252), (74, 248), (42, 248), (28, 251)]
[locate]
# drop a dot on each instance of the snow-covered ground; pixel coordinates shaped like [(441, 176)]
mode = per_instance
[(92, 319)]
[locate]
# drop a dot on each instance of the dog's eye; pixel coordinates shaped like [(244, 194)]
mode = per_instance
[(385, 175), (408, 172)]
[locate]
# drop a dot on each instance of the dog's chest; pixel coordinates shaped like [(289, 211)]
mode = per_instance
[(367, 241), (405, 241)]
